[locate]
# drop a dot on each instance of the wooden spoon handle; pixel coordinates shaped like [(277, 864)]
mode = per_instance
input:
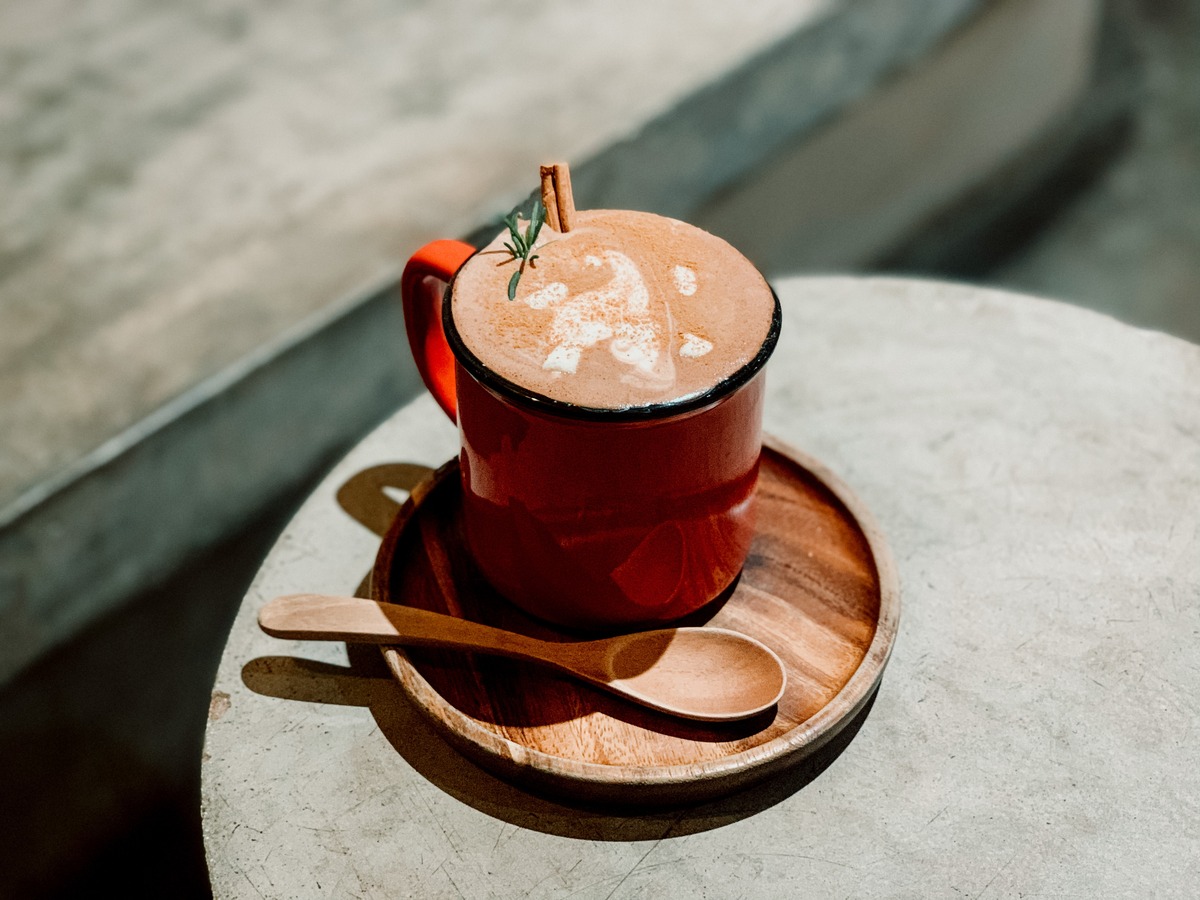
[(318, 617)]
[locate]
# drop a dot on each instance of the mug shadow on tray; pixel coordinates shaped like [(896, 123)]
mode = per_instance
[(369, 682)]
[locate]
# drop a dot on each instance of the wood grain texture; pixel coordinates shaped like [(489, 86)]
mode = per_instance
[(819, 588)]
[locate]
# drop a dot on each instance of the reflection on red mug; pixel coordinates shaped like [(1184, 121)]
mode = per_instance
[(592, 518)]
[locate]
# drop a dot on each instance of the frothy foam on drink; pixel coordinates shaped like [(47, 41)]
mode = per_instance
[(694, 346), (617, 312), (685, 281), (626, 309)]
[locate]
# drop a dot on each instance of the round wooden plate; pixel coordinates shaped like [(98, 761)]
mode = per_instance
[(819, 588)]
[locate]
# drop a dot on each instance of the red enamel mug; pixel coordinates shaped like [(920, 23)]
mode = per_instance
[(591, 518)]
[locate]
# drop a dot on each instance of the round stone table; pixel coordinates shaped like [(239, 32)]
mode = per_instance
[(1036, 470)]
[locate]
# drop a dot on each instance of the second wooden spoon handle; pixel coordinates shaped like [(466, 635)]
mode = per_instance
[(318, 617)]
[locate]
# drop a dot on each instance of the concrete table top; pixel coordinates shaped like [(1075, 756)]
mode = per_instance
[(1036, 469)]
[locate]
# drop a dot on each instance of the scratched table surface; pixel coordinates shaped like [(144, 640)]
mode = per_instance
[(1036, 469)]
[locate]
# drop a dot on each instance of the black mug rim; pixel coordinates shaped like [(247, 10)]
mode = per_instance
[(532, 400)]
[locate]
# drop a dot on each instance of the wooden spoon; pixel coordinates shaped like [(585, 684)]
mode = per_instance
[(709, 674)]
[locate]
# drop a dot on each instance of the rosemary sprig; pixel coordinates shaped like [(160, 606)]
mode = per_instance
[(522, 244)]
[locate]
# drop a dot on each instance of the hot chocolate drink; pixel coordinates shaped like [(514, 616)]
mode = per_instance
[(606, 375), (626, 309)]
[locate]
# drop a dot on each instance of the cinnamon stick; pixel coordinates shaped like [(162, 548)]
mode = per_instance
[(563, 197), (549, 200)]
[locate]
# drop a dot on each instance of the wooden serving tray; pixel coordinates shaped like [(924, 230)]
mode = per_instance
[(819, 588)]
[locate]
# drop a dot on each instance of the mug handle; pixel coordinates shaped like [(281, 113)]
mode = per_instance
[(421, 288)]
